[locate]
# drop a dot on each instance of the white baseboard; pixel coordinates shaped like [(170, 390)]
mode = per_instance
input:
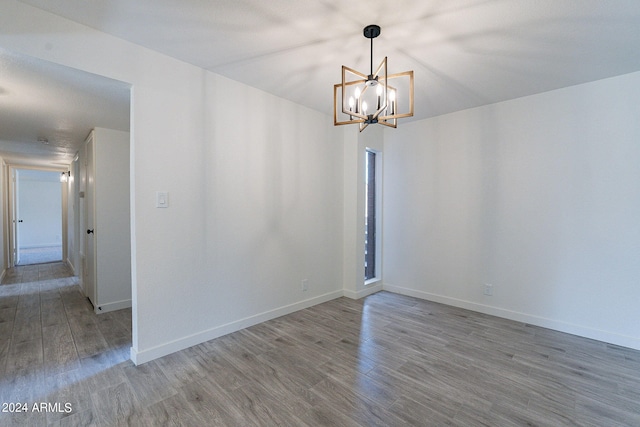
[(596, 334), (112, 306), (140, 357), (70, 265), (371, 289)]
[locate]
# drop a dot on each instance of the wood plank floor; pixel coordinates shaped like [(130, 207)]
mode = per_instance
[(386, 360), (36, 272)]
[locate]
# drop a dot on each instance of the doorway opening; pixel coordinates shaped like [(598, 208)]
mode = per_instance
[(37, 220), (50, 134)]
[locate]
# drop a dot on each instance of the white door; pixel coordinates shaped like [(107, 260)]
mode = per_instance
[(90, 232)]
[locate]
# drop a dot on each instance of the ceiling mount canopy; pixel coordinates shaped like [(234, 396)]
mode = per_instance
[(377, 97)]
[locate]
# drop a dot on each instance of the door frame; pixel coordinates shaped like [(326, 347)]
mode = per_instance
[(11, 218), (89, 248), (14, 233)]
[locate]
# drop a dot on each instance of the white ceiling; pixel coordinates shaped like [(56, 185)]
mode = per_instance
[(464, 53), (47, 110)]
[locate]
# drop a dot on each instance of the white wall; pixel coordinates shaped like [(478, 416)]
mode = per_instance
[(255, 208), (40, 207), (112, 234), (538, 196), (255, 190), (4, 198)]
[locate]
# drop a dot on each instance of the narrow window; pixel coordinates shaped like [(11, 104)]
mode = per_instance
[(370, 217)]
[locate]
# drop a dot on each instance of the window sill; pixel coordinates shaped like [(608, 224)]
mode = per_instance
[(372, 281)]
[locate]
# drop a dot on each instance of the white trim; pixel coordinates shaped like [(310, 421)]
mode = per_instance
[(373, 281), (71, 267), (368, 290), (596, 334), (112, 306), (140, 357), (378, 213), (43, 245)]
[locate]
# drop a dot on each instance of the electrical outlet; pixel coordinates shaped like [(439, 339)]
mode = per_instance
[(488, 289), (305, 285)]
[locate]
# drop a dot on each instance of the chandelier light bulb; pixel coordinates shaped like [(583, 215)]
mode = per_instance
[(351, 104), (364, 107), (392, 99)]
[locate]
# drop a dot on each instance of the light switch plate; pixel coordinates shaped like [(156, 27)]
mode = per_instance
[(162, 199)]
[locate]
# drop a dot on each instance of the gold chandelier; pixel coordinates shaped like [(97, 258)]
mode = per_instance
[(378, 97)]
